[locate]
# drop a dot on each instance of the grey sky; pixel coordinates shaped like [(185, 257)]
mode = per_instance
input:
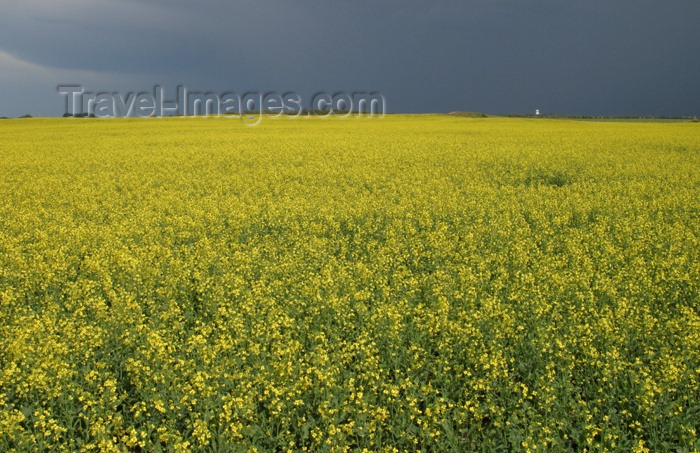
[(583, 57)]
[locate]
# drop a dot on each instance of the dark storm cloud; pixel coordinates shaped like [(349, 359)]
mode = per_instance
[(623, 58)]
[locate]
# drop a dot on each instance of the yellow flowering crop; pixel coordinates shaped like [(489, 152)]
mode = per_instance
[(406, 283)]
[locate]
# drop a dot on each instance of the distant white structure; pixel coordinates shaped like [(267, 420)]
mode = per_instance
[(537, 112)]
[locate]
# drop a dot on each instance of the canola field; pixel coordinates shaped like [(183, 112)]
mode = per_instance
[(406, 283)]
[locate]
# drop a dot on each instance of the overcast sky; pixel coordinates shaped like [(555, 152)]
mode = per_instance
[(577, 57)]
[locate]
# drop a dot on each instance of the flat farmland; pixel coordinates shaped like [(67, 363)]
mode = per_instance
[(405, 283)]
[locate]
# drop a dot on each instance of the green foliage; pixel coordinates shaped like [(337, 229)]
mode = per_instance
[(469, 114)]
